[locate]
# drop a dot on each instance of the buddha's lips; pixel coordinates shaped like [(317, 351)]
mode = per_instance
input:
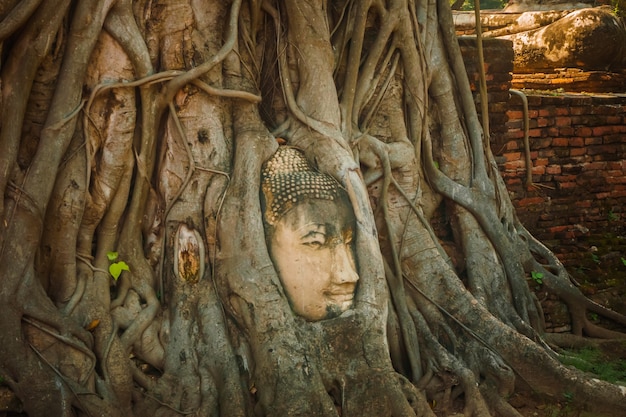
[(341, 296)]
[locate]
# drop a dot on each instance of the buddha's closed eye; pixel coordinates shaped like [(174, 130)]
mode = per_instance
[(314, 238)]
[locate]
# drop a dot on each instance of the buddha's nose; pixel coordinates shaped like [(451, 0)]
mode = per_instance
[(343, 268)]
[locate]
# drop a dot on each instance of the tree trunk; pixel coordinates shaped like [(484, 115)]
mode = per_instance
[(136, 258)]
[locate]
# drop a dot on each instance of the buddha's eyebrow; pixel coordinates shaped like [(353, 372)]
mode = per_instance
[(313, 229)]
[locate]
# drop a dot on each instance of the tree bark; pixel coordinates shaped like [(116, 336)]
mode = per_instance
[(136, 271)]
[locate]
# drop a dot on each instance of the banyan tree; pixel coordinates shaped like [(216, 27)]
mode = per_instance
[(226, 207)]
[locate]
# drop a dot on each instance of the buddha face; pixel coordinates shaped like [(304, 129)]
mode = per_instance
[(311, 246)]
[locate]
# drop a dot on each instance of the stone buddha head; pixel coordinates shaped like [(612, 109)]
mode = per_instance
[(309, 228)]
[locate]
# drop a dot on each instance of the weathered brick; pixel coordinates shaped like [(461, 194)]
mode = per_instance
[(563, 121), (576, 142), (611, 172), (593, 141), (541, 122), (593, 181), (574, 160), (616, 138), (538, 170), (546, 153), (603, 130), (565, 178), (536, 133), (558, 229), (540, 143), (577, 120), (547, 111), (562, 111), (583, 131), (512, 145), (560, 142), (513, 156), (514, 181), (566, 185), (605, 150), (498, 106), (551, 131), (608, 110), (621, 179), (578, 110), (516, 125), (571, 168), (525, 202), (514, 134), (605, 157), (562, 152), (514, 165), (594, 166), (553, 169)]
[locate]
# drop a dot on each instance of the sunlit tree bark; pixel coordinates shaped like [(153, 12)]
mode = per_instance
[(135, 272)]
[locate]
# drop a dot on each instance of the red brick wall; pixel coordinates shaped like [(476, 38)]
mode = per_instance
[(578, 153), (577, 148)]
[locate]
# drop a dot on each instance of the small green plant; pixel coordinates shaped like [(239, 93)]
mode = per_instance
[(623, 261), (116, 268), (595, 258), (619, 8), (537, 277), (593, 316), (612, 216), (569, 396)]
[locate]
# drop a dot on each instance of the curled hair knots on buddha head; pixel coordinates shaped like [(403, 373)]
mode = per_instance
[(288, 179)]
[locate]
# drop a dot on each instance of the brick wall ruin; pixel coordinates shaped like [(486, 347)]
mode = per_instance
[(578, 151), (577, 148)]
